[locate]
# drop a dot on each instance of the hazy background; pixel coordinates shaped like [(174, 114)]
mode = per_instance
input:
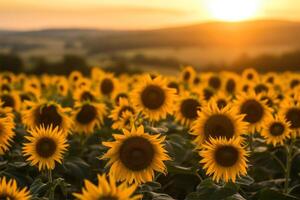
[(159, 35)]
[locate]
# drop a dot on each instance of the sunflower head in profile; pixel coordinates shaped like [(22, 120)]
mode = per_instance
[(153, 98), (9, 190), (126, 121), (188, 74), (11, 99), (6, 133), (107, 85), (85, 94), (45, 147), (123, 106), (107, 189), (213, 122), (87, 116), (276, 130), (135, 155), (47, 114), (187, 108), (250, 74), (255, 110), (224, 159), (290, 110)]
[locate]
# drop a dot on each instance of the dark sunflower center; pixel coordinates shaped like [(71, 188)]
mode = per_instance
[(25, 97), (48, 115), (277, 129), (215, 82), (270, 80), (7, 78), (86, 114), (6, 197), (250, 76), (230, 86), (221, 103), (174, 85), (46, 147), (87, 96), (124, 109), (253, 111), (186, 76), (268, 100), (293, 116), (245, 88), (136, 153), (120, 95), (108, 198), (196, 80), (189, 108), (8, 101), (207, 94), (226, 156), (5, 87), (219, 125), (294, 83), (107, 86), (260, 88), (153, 97)]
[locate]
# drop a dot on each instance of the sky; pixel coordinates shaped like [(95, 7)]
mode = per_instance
[(136, 14)]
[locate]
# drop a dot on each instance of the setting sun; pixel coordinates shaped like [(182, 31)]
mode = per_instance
[(233, 10)]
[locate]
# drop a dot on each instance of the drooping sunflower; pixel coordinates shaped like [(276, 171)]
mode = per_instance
[(213, 122), (47, 113), (135, 155), (153, 98), (255, 110), (123, 106), (125, 121), (9, 190), (187, 108), (276, 130), (87, 116), (107, 189), (224, 159), (45, 147), (6, 133), (11, 99)]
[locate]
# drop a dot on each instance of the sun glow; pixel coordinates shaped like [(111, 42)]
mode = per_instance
[(233, 10)]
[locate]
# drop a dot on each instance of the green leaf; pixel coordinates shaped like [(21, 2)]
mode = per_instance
[(245, 180), (268, 194)]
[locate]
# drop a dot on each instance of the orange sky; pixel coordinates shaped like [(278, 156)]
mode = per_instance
[(125, 14)]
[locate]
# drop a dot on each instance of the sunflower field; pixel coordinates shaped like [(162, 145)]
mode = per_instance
[(198, 135)]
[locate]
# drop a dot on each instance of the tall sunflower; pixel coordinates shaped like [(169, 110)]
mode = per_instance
[(255, 110), (6, 133), (187, 107), (153, 98), (224, 159), (47, 113), (135, 155), (9, 190), (45, 147), (87, 115), (276, 130), (213, 122), (107, 190)]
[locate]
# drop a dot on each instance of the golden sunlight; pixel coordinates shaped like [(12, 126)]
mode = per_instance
[(233, 10)]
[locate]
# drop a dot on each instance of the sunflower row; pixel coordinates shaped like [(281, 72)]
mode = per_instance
[(223, 112)]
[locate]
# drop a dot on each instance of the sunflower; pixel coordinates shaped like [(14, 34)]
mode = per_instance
[(255, 110), (154, 98), (123, 106), (5, 87), (270, 78), (125, 121), (290, 109), (231, 83), (11, 99), (107, 190), (10, 191), (221, 99), (7, 77), (87, 115), (224, 159), (85, 94), (187, 107), (62, 87), (276, 130), (135, 155), (214, 81), (74, 77), (188, 74), (45, 147), (250, 74), (213, 122), (6, 112), (6, 133), (108, 84), (46, 113)]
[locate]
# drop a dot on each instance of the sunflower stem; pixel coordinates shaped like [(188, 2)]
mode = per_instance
[(50, 176), (289, 157), (251, 142)]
